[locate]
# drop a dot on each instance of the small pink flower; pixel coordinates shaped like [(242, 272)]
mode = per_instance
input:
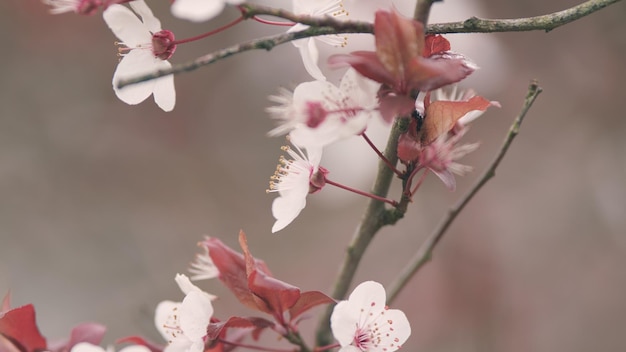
[(440, 157), (365, 323), (294, 179)]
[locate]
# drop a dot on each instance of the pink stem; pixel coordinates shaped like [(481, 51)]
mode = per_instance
[(207, 34), (273, 23), (381, 156), (365, 194)]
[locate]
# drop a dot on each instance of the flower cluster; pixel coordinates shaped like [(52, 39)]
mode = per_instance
[(409, 80)]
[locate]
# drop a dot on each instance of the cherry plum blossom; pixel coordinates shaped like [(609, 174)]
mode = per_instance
[(146, 49), (365, 323)]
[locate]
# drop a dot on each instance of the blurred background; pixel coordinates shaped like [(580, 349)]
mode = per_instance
[(101, 203)]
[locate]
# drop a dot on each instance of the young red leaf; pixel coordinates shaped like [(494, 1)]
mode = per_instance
[(232, 268), (19, 326), (442, 115), (307, 301), (271, 295), (398, 40), (435, 44), (218, 329)]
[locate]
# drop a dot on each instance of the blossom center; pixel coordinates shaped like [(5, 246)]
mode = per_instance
[(163, 45)]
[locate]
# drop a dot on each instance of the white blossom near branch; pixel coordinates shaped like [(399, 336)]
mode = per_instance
[(365, 323), (144, 50)]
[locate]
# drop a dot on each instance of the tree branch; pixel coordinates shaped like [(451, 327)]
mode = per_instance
[(545, 22), (328, 25), (375, 217), (424, 254)]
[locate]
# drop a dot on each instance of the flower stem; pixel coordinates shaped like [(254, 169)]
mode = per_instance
[(273, 23), (365, 194), (424, 254), (380, 155), (375, 217), (208, 34)]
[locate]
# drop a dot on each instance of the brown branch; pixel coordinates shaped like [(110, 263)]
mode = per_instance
[(546, 22), (424, 254), (328, 25)]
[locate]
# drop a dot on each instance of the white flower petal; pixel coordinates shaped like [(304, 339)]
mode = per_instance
[(135, 63), (126, 26), (164, 91), (180, 344), (147, 17), (86, 347), (185, 284), (195, 314), (286, 209), (363, 321), (163, 317), (135, 348), (197, 10), (310, 57)]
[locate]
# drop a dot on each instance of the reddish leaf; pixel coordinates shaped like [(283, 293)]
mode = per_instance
[(392, 106), (232, 268), (398, 40), (307, 301), (271, 295), (428, 74), (366, 63), (218, 329), (435, 44), (275, 295), (399, 62), (19, 326), (442, 115)]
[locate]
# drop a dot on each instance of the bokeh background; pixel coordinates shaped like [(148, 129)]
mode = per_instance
[(102, 203)]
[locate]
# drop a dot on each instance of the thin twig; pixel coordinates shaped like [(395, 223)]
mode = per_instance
[(328, 25), (546, 22), (424, 254)]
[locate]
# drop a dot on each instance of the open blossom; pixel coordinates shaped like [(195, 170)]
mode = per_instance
[(81, 7), (184, 324), (307, 46), (87, 347), (200, 10), (294, 179), (319, 113), (365, 323), (146, 49), (441, 157)]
